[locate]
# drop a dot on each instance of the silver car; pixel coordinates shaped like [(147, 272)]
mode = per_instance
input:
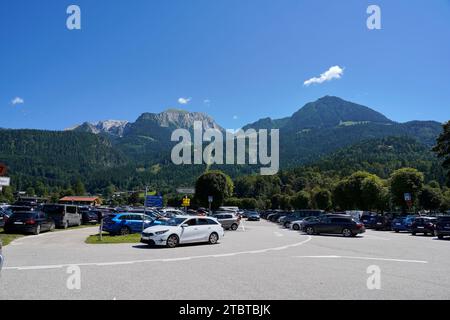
[(228, 220)]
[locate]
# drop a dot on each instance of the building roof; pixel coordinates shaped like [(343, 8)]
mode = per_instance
[(79, 199)]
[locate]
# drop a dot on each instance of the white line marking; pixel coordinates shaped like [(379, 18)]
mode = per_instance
[(102, 264), (361, 258)]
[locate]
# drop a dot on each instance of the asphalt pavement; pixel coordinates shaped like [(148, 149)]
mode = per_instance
[(260, 260)]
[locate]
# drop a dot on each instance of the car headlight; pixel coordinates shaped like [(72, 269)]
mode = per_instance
[(161, 232)]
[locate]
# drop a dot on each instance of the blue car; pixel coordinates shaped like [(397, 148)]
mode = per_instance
[(127, 223), (402, 223)]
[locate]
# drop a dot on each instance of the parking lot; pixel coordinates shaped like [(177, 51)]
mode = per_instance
[(260, 260)]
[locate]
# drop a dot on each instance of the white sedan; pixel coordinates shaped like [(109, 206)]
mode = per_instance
[(183, 229)]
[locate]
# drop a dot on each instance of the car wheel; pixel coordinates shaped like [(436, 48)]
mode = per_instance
[(440, 236), (413, 233), (296, 227), (310, 230), (286, 225), (234, 227), (52, 227), (397, 231), (172, 241), (66, 225), (124, 231), (347, 233), (37, 230), (213, 238)]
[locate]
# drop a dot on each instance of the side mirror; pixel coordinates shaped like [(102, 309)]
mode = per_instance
[(184, 225)]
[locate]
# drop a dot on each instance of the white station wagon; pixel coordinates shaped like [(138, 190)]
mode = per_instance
[(183, 229)]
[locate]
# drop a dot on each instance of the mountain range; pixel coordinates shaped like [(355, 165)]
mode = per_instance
[(142, 148)]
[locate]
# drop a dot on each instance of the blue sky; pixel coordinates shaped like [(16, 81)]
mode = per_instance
[(237, 60)]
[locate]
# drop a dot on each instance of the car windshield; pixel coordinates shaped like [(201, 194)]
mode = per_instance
[(173, 222), (53, 209)]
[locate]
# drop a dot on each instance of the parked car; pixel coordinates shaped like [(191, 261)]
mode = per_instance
[(127, 223), (183, 229), (64, 215), (33, 222), (276, 216), (402, 223), (299, 224), (442, 227), (369, 219), (298, 215), (228, 220), (334, 224), (383, 222), (253, 216), (5, 213), (425, 225)]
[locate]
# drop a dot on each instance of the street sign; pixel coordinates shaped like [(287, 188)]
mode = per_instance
[(154, 201), (3, 169), (186, 190), (407, 197), (210, 199), (5, 181), (186, 202)]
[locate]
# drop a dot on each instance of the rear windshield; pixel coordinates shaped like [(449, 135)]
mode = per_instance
[(444, 219), (23, 215), (53, 209)]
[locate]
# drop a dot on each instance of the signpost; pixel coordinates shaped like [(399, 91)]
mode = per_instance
[(186, 190), (210, 200), (408, 200), (186, 202), (4, 182)]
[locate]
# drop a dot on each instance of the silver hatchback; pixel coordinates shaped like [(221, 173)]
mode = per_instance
[(228, 220)]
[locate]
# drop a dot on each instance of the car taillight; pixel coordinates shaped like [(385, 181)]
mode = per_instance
[(359, 225), (30, 221)]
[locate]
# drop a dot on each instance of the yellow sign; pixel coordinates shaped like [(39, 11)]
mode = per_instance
[(186, 202)]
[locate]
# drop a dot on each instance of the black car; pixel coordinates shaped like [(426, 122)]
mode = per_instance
[(369, 219), (383, 222), (33, 222), (274, 217), (334, 224), (425, 225), (253, 216), (442, 227)]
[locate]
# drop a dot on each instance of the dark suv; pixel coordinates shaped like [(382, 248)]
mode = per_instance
[(425, 225), (442, 227), (334, 224), (33, 222)]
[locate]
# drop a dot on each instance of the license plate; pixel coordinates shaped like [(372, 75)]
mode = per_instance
[(18, 222), (420, 227), (378, 223), (398, 224)]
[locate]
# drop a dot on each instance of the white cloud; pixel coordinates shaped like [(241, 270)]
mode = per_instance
[(17, 100), (184, 100), (335, 72), (235, 117), (206, 101)]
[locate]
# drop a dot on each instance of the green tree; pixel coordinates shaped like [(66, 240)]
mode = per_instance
[(6, 195), (371, 193), (321, 199), (30, 191), (216, 184), (79, 188), (134, 198), (405, 180), (442, 147), (301, 200), (430, 198)]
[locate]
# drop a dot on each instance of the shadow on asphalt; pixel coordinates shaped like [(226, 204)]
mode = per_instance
[(145, 246)]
